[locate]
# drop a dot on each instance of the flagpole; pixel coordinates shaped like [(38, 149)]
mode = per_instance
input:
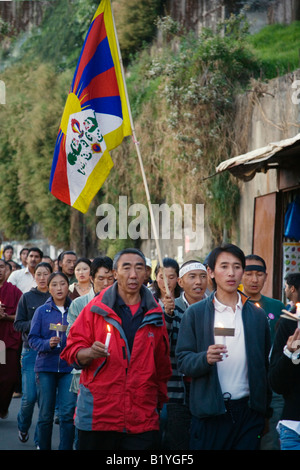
[(136, 143)]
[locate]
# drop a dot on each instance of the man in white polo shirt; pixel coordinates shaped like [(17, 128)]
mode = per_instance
[(24, 278), (229, 395)]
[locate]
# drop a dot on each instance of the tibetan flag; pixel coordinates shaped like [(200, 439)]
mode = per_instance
[(95, 119)]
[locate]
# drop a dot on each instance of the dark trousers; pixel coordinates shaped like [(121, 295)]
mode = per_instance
[(8, 379), (239, 428), (111, 440), (177, 433)]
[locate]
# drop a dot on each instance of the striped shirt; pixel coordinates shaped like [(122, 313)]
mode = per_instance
[(177, 391)]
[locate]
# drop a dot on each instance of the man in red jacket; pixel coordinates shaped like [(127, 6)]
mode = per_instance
[(123, 385)]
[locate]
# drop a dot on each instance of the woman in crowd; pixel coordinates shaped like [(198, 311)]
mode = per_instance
[(53, 375), (10, 340), (171, 271), (82, 273), (28, 304)]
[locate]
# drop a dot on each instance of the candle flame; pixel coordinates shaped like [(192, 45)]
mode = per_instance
[(257, 304), (108, 328)]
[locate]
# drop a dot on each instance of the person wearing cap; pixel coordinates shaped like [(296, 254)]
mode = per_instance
[(253, 280), (193, 281)]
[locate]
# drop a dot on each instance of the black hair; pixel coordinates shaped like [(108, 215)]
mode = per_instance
[(47, 256), (225, 248), (61, 257), (12, 262), (190, 262), (43, 264), (101, 262), (8, 247), (293, 279), (57, 273), (256, 258), (7, 264), (83, 260), (24, 249), (35, 248), (167, 263), (125, 251)]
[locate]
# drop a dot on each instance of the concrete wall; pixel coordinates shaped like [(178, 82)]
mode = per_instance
[(273, 115)]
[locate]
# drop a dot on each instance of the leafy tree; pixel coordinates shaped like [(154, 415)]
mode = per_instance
[(135, 21)]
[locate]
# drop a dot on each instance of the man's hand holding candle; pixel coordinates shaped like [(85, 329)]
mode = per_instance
[(215, 353)]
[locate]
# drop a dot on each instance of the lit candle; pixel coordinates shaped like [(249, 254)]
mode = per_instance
[(57, 334), (108, 336), (220, 325), (298, 313)]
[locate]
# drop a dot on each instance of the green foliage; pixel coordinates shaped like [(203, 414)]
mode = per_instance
[(184, 106), (5, 29), (277, 47), (182, 103), (56, 43), (142, 81), (29, 125), (135, 21)]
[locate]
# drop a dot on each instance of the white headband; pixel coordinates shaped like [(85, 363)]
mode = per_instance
[(191, 267)]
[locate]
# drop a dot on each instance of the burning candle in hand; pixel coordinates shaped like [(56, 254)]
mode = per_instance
[(298, 313), (220, 330), (221, 326), (57, 334), (108, 336)]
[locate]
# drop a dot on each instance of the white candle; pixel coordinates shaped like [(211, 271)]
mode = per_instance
[(220, 325), (57, 334), (298, 313), (108, 336)]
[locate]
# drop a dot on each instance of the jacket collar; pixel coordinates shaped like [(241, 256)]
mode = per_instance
[(244, 297), (109, 297), (106, 300), (51, 303)]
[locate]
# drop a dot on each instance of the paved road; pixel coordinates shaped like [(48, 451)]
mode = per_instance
[(9, 430)]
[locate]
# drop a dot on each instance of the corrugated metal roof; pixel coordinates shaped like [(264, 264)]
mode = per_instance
[(282, 154)]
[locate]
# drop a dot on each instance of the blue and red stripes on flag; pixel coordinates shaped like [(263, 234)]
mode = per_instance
[(95, 119)]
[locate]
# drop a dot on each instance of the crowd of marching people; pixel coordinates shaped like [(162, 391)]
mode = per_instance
[(189, 357)]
